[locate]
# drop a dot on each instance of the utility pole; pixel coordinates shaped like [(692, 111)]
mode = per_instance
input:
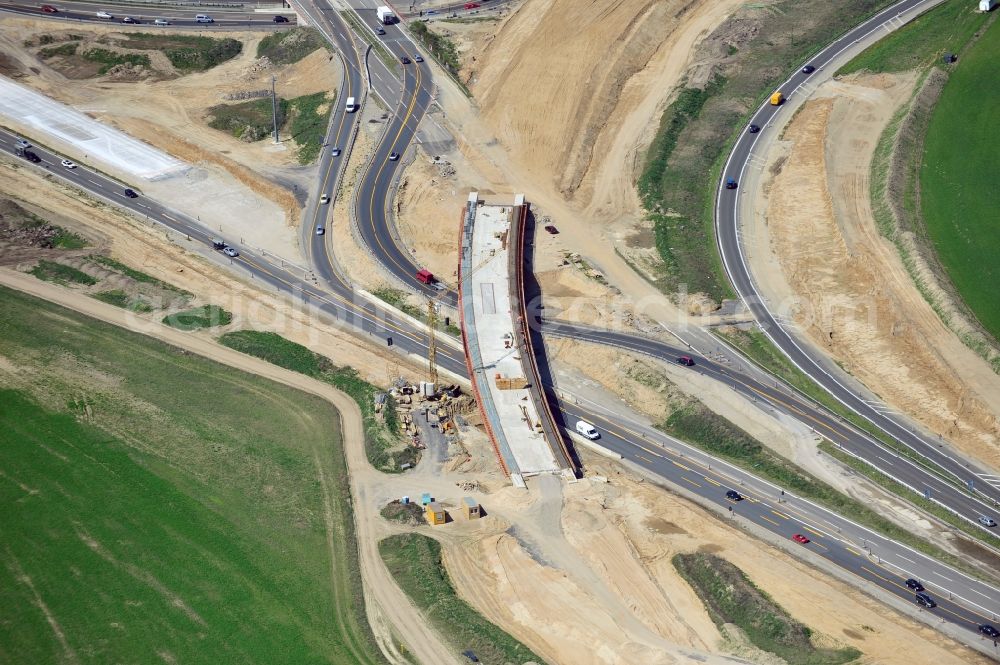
[(274, 109)]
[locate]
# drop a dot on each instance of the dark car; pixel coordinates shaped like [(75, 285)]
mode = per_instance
[(989, 631), (730, 183), (808, 69), (280, 19), (393, 156), (473, 658), (687, 361), (404, 60), (733, 495), (754, 129), (129, 19), (31, 157), (131, 193), (49, 9), (551, 229), (924, 600), (914, 584), (218, 243)]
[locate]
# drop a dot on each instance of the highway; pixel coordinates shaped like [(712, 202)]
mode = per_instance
[(977, 601), (179, 18), (972, 601), (729, 208)]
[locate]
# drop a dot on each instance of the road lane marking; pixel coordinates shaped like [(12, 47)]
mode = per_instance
[(686, 468), (645, 459), (943, 577), (781, 515), (765, 517), (815, 533), (690, 481), (852, 551), (717, 484)]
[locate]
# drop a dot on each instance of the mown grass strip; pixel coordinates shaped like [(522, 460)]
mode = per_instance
[(309, 115), (415, 562), (732, 598), (714, 434), (138, 275), (119, 298), (380, 437)]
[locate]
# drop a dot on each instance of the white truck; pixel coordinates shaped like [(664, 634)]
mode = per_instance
[(385, 15)]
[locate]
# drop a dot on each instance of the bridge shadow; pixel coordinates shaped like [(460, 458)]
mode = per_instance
[(534, 312)]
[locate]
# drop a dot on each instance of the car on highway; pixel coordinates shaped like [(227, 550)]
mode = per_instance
[(808, 69), (471, 5), (161, 21), (29, 155), (914, 584), (335, 152), (754, 129), (230, 252), (418, 58), (987, 521), (393, 156), (587, 430), (129, 19), (68, 164), (218, 243), (105, 15), (324, 199), (379, 30), (551, 230), (49, 9), (687, 361), (131, 193), (280, 19), (403, 59), (730, 183), (924, 600), (733, 495), (203, 18), (989, 631), (799, 538), (22, 143), (320, 230)]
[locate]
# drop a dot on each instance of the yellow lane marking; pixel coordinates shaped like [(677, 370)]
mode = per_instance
[(686, 468), (690, 481), (781, 515), (815, 533), (852, 551), (644, 458), (712, 481), (763, 517)]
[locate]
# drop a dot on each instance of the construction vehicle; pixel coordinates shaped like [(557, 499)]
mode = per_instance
[(385, 15)]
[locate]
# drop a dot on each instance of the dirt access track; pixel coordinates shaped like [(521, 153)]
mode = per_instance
[(817, 253)]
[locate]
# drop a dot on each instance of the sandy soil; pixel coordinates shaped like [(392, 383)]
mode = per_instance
[(573, 152), (845, 284), (257, 180)]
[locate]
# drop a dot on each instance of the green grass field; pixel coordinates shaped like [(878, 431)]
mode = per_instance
[(958, 198), (288, 46), (415, 562), (50, 271), (922, 42), (206, 316), (188, 53), (159, 507)]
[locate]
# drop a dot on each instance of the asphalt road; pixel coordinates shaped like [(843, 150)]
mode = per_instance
[(971, 601), (86, 12), (806, 358)]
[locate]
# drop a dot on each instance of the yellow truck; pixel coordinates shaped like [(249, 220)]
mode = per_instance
[(777, 98)]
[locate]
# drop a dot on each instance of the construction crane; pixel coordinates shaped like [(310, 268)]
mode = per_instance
[(432, 321)]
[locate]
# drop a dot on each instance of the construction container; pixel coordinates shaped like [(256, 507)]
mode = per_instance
[(435, 513), (426, 498), (471, 508)]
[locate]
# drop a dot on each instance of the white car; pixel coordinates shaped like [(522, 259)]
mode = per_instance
[(320, 230), (324, 199), (203, 18), (105, 15), (230, 251), (68, 164), (587, 430), (23, 143), (161, 21)]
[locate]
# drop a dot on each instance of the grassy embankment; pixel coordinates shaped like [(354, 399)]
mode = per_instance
[(108, 59), (187, 53), (397, 299), (381, 438), (415, 562), (678, 182), (709, 431), (50, 271), (206, 316), (305, 117), (164, 508), (289, 46), (731, 598), (442, 49)]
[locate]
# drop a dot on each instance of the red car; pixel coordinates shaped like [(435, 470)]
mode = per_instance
[(471, 5), (551, 229), (49, 9), (687, 361), (799, 538)]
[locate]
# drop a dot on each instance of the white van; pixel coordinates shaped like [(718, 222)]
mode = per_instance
[(351, 105), (204, 18), (587, 430)]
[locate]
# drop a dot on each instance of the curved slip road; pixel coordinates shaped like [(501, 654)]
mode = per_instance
[(729, 208)]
